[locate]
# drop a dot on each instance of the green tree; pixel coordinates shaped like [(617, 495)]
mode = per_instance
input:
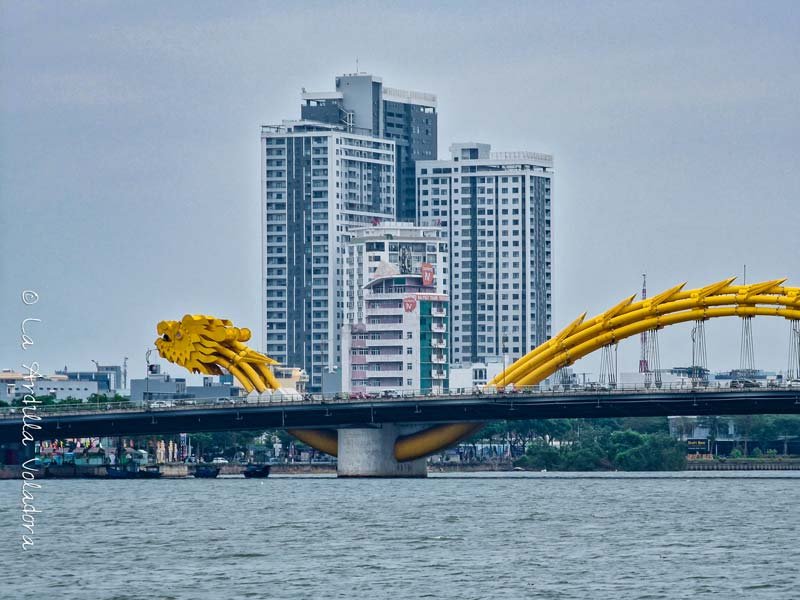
[(646, 424), (658, 452), (786, 427), (540, 456)]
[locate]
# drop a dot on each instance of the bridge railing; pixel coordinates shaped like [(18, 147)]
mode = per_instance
[(277, 399)]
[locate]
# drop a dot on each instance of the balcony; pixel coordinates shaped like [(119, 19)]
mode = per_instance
[(395, 342), (385, 374), (439, 359), (438, 327), (383, 385), (439, 312), (385, 327), (384, 311), (384, 358), (439, 374), (438, 343)]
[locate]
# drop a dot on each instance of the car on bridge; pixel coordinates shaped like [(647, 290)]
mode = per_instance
[(793, 383), (595, 386), (744, 384)]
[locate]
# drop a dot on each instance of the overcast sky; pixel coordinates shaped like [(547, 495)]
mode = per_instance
[(129, 149)]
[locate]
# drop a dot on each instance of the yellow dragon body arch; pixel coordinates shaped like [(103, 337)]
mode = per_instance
[(629, 318), (204, 344)]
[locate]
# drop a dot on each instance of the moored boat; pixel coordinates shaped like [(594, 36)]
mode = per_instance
[(206, 471), (147, 472), (256, 471)]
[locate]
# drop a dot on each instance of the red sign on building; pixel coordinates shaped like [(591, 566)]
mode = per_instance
[(427, 274), (409, 304)]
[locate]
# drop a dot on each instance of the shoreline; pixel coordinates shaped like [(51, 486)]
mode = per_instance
[(181, 470)]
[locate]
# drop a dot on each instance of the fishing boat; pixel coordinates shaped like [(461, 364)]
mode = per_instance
[(256, 471), (206, 471)]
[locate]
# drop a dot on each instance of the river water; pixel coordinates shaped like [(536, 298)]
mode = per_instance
[(515, 535)]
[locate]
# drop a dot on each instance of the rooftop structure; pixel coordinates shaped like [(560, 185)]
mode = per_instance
[(361, 103)]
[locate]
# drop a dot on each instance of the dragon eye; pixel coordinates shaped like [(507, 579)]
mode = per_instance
[(165, 337)]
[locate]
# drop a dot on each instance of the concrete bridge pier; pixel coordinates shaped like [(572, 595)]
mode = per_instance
[(370, 453)]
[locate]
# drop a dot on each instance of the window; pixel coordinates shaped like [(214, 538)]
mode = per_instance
[(410, 366), (409, 351), (410, 335)]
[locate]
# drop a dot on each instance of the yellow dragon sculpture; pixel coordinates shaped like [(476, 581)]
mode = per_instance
[(206, 344)]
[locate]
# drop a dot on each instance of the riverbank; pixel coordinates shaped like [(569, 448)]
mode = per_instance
[(168, 471), (181, 470)]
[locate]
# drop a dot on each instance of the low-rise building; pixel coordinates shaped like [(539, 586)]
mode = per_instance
[(14, 386), (466, 377), (162, 386), (108, 377)]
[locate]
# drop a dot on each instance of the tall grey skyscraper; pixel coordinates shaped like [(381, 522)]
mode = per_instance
[(318, 180), (361, 103), (494, 210)]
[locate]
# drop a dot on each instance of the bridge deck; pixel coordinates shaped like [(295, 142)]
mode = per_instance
[(88, 420)]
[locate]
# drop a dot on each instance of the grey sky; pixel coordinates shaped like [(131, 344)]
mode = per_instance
[(129, 149)]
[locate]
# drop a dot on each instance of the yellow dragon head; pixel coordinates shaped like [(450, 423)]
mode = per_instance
[(204, 344)]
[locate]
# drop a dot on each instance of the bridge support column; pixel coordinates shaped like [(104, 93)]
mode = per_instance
[(370, 453)]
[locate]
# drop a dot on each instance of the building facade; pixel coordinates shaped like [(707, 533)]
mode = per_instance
[(494, 210), (108, 378), (466, 378), (403, 248), (401, 347), (63, 385), (361, 103), (318, 181), (158, 386)]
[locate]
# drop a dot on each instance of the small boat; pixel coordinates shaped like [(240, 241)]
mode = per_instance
[(256, 471), (206, 471), (147, 472)]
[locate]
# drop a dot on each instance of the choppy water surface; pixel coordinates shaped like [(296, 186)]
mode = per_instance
[(512, 536)]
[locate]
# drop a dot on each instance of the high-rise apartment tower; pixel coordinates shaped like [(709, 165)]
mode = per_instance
[(318, 181), (494, 210)]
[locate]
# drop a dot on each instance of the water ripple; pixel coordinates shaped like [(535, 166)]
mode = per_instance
[(497, 536)]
